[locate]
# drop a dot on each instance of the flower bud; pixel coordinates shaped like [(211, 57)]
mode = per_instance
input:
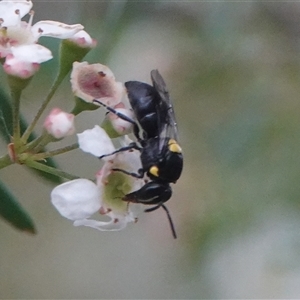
[(24, 61), (19, 68), (83, 39), (59, 123), (121, 126)]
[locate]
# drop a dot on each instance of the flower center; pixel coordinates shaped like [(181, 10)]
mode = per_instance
[(95, 84), (118, 186), (13, 36)]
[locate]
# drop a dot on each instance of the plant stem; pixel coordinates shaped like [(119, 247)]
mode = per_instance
[(53, 89), (36, 165), (41, 156), (33, 143), (46, 138), (16, 94), (39, 143)]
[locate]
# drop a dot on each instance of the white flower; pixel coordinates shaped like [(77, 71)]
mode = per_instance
[(15, 33), (95, 141), (78, 200), (59, 123), (113, 186), (96, 81)]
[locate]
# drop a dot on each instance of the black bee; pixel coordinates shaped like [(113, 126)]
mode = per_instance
[(161, 155)]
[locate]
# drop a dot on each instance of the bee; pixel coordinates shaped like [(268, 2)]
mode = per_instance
[(156, 134)]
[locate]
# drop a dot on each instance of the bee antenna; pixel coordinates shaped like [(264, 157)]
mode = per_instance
[(168, 215), (170, 221), (97, 101)]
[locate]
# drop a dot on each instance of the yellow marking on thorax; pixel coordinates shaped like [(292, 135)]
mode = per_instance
[(154, 171), (174, 147)]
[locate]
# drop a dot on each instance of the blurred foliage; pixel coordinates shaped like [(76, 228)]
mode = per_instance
[(239, 82), (11, 211)]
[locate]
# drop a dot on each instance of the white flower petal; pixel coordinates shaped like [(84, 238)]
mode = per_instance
[(77, 199), (33, 53), (125, 140), (95, 141), (131, 162), (55, 29), (115, 224), (8, 10)]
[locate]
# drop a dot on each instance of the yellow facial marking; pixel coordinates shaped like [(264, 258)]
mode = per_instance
[(174, 147), (154, 171)]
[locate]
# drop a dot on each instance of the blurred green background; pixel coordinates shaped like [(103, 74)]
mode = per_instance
[(233, 69)]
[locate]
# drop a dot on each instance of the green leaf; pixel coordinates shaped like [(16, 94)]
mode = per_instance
[(12, 211), (6, 132)]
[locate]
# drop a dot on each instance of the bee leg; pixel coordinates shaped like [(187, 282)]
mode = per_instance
[(126, 148), (168, 215), (139, 175), (136, 130)]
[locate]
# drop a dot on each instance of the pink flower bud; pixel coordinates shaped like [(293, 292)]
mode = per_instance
[(22, 69), (59, 123), (25, 60), (83, 39)]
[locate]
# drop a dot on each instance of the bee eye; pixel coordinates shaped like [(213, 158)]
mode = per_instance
[(154, 171)]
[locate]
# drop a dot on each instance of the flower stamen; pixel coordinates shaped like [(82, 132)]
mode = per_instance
[(31, 14), (17, 12)]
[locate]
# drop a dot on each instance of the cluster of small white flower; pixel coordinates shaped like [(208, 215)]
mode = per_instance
[(19, 39), (77, 199)]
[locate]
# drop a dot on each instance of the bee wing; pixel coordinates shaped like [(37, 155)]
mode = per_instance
[(166, 116)]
